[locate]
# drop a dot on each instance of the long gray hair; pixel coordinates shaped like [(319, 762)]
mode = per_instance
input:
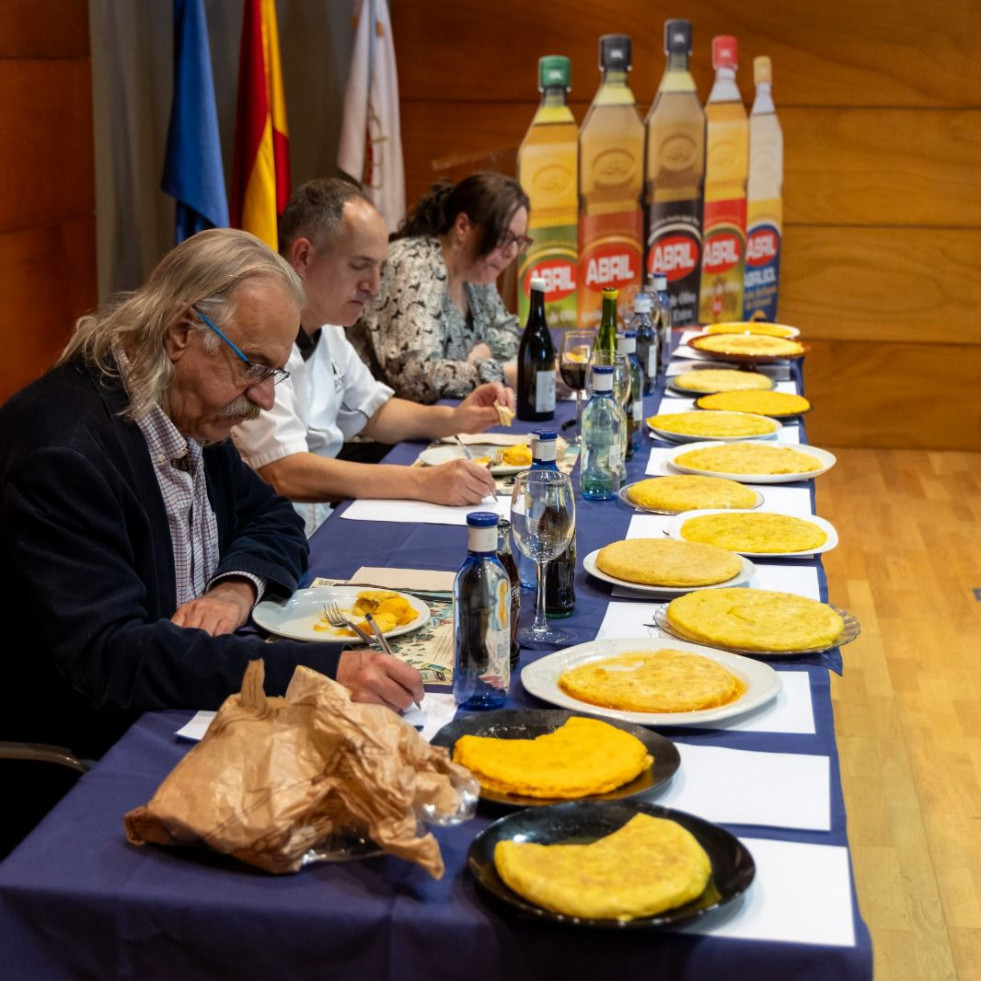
[(203, 271)]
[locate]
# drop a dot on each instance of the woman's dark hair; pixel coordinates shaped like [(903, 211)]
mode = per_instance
[(487, 198)]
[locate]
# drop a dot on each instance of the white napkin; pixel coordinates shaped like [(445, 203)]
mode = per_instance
[(800, 579), (421, 512), (801, 894), (736, 786)]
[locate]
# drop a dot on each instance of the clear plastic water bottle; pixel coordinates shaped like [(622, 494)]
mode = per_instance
[(648, 342), (603, 421), (661, 315), (624, 344), (482, 619)]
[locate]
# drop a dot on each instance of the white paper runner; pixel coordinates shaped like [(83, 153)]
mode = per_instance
[(420, 512), (735, 786), (801, 894)]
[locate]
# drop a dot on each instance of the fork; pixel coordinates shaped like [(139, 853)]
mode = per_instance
[(337, 619)]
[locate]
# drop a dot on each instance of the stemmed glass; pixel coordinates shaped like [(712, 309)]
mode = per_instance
[(573, 359), (543, 521)]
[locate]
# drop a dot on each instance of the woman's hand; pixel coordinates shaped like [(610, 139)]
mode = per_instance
[(479, 352)]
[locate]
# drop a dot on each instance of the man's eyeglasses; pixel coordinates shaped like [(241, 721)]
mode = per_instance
[(509, 239), (255, 374)]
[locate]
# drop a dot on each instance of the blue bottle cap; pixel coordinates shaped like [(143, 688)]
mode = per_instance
[(630, 333), (482, 519), (602, 369), (546, 434)]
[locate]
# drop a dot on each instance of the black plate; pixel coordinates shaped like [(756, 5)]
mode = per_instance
[(530, 723), (579, 822)]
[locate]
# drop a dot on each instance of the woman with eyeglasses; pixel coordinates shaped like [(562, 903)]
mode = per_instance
[(438, 327)]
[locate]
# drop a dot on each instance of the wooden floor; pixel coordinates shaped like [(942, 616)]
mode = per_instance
[(907, 710)]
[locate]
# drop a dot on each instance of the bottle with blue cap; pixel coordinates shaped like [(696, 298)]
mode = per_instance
[(603, 423), (481, 619)]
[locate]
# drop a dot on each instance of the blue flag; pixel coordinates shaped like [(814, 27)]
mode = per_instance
[(193, 172)]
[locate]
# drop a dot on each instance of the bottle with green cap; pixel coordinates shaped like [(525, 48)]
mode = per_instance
[(547, 170)]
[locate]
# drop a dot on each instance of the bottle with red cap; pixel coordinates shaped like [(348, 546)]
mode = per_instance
[(726, 169)]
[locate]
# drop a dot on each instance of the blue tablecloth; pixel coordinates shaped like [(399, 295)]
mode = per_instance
[(77, 901)]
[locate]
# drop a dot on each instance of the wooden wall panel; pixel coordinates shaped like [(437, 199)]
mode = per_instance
[(893, 395), (868, 53), (44, 29), (47, 205), (47, 169), (49, 275), (900, 166), (883, 284)]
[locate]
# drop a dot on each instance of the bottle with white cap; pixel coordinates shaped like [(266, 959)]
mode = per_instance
[(535, 397), (647, 340), (603, 422)]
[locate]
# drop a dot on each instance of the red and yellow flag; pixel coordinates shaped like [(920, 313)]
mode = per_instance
[(261, 172)]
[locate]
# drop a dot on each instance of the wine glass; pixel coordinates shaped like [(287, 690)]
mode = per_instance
[(543, 521), (573, 359)]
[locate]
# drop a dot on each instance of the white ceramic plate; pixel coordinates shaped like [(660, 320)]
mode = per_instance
[(850, 631), (436, 455), (690, 438), (826, 459), (297, 616), (744, 575), (541, 678), (674, 530), (624, 491)]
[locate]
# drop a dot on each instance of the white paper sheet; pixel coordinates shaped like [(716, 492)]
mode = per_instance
[(421, 512), (800, 579), (438, 708), (801, 894), (736, 786), (197, 727)]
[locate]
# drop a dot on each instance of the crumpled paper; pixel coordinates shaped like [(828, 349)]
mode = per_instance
[(274, 778)]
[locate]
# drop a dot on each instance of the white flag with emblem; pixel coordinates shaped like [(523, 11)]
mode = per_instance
[(371, 138)]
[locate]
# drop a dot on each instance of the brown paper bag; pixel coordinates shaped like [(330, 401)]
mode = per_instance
[(273, 778)]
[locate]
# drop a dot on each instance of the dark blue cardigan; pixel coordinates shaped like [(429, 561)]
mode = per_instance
[(89, 571)]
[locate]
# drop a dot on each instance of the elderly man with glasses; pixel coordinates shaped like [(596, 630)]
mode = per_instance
[(135, 540)]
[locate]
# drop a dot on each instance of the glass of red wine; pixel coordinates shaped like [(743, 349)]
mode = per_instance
[(573, 360)]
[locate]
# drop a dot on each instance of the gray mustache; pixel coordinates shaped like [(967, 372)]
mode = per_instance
[(240, 407)]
